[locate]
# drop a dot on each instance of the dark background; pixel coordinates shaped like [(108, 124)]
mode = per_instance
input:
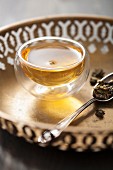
[(16, 153)]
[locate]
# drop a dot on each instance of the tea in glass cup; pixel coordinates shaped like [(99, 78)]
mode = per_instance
[(52, 67)]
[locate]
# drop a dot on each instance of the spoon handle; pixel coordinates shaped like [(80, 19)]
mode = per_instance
[(60, 126)]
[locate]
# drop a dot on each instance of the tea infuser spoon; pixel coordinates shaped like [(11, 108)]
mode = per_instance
[(48, 135)]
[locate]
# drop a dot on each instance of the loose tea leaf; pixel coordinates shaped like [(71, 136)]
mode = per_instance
[(96, 75), (100, 113), (93, 80)]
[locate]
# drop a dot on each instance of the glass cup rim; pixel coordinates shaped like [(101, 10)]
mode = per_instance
[(50, 38)]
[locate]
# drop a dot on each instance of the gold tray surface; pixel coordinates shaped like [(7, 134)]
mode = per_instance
[(24, 115)]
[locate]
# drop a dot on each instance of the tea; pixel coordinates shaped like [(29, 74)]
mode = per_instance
[(52, 64)]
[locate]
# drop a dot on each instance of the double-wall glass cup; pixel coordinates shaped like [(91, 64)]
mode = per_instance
[(51, 68)]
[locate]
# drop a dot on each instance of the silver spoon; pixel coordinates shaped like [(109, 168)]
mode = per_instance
[(48, 135)]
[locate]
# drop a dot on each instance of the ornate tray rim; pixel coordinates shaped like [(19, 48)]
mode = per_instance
[(83, 16)]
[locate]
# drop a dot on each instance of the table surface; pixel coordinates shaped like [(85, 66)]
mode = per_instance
[(16, 153)]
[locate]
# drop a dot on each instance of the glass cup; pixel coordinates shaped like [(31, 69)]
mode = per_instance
[(51, 68)]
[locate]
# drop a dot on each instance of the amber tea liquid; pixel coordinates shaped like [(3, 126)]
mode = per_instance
[(52, 64)]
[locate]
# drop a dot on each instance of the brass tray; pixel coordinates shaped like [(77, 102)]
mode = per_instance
[(26, 116)]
